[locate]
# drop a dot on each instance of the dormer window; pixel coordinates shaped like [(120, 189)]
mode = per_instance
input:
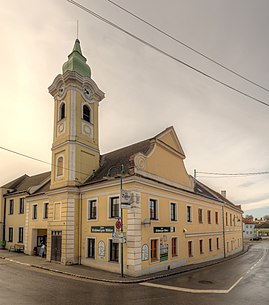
[(62, 111), (86, 113)]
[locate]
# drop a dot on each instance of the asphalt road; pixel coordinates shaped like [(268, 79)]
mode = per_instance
[(243, 280)]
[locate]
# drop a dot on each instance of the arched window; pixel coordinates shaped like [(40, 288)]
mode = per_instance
[(86, 113), (62, 111), (60, 164)]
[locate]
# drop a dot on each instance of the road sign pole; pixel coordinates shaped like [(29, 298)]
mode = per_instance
[(121, 211)]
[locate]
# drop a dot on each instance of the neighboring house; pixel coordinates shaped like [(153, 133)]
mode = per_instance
[(262, 229), (248, 228), (172, 219)]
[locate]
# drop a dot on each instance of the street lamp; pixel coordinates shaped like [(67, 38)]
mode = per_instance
[(122, 169)]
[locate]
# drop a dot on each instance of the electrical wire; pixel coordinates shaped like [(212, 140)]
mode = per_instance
[(39, 160), (234, 174), (189, 47), (164, 53)]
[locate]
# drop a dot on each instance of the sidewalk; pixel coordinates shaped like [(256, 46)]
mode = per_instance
[(90, 273)]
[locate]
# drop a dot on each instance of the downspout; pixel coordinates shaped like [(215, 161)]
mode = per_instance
[(223, 232), (80, 228), (4, 221)]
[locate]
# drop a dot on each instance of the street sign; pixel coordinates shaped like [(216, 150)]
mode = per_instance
[(119, 237), (125, 199), (118, 224)]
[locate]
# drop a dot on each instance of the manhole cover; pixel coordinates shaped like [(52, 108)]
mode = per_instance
[(205, 282)]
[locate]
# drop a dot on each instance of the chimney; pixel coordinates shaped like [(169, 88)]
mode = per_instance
[(223, 194)]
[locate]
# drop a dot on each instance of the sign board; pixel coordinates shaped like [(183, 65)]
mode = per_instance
[(163, 252), (102, 229), (164, 229), (125, 199), (119, 238)]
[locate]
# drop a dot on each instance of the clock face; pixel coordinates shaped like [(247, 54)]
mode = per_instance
[(61, 90), (87, 92)]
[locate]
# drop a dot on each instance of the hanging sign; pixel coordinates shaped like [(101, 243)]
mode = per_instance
[(125, 199)]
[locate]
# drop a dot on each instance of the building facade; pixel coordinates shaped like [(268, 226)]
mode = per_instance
[(169, 218)]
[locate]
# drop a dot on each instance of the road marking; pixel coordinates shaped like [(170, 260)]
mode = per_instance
[(190, 290)]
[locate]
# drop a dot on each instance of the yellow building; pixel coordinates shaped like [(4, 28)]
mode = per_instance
[(168, 218)]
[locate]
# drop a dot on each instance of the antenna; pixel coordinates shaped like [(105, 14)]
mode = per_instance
[(77, 29)]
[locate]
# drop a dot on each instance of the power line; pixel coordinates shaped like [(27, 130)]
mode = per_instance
[(189, 47), (165, 53), (234, 174), (39, 160)]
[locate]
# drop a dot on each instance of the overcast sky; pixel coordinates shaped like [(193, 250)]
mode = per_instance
[(146, 92)]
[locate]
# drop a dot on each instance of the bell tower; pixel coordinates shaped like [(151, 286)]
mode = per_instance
[(75, 148)]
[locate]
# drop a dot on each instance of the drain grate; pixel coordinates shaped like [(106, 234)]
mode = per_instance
[(205, 282)]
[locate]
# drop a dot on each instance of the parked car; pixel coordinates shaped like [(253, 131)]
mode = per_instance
[(256, 238)]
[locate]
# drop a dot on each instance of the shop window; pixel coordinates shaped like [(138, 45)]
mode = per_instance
[(10, 234), (210, 244), (91, 247), (113, 251), (174, 246), (190, 250), (201, 246)]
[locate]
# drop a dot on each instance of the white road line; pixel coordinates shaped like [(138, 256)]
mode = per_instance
[(190, 290)]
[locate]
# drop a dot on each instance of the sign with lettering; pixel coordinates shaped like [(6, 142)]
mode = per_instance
[(102, 229), (164, 229)]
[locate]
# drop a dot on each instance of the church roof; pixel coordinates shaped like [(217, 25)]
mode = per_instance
[(77, 62)]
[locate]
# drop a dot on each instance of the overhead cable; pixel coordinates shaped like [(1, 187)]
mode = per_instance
[(189, 47), (165, 53)]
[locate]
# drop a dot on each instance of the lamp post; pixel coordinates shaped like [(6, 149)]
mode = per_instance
[(122, 169)]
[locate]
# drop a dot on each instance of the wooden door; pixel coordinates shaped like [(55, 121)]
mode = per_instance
[(56, 245)]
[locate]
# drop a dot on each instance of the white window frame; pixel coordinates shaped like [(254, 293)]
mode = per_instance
[(157, 219), (88, 208), (95, 247), (191, 214), (109, 206), (176, 211), (34, 205), (158, 250)]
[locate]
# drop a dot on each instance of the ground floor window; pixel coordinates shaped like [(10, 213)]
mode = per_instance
[(113, 251), (154, 250), (91, 247), (210, 244), (174, 246), (20, 235), (201, 245), (190, 252), (10, 234), (217, 240)]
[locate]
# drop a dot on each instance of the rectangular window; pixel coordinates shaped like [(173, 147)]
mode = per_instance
[(201, 244), (21, 206), (226, 216), (92, 209), (154, 250), (114, 207), (173, 211), (20, 235), (231, 220), (217, 218), (189, 219), (91, 247), (210, 244), (113, 251), (153, 209), (174, 246), (10, 234), (200, 215), (208, 216), (34, 212), (11, 206), (190, 249), (46, 210), (217, 241)]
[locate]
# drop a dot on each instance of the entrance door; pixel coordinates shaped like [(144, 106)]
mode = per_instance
[(56, 245)]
